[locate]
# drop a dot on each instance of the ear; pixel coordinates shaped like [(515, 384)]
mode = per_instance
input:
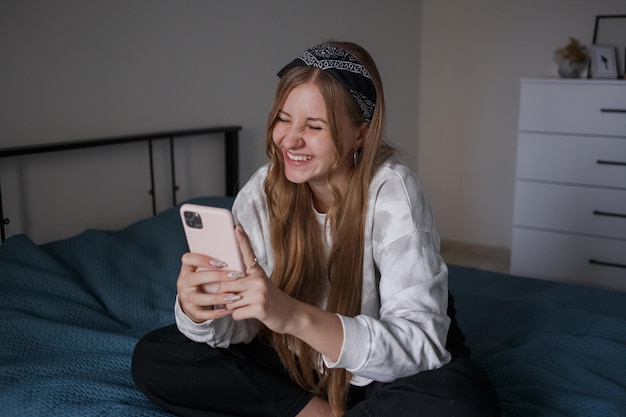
[(361, 136)]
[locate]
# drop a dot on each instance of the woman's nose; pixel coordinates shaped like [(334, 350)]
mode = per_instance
[(293, 139)]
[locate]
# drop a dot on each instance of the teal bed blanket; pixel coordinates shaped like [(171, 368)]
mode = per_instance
[(551, 349), (71, 312)]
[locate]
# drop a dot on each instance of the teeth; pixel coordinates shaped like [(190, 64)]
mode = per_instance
[(299, 158)]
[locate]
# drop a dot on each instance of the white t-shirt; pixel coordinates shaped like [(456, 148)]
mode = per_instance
[(403, 323)]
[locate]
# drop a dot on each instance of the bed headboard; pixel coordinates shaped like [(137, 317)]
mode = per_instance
[(230, 135)]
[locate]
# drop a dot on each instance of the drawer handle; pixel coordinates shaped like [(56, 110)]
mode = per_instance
[(613, 110), (602, 263), (609, 214), (605, 162)]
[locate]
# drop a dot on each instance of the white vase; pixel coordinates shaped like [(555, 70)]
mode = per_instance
[(568, 69)]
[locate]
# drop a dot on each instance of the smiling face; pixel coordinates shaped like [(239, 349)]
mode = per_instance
[(302, 133)]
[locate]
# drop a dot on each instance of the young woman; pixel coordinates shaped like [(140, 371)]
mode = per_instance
[(343, 309)]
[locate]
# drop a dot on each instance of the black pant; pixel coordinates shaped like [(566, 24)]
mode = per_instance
[(193, 379)]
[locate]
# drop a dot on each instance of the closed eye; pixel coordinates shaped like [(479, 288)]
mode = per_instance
[(282, 117)]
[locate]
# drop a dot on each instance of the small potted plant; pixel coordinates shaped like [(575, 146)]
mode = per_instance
[(572, 59)]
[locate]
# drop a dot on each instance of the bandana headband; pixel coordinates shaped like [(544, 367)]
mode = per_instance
[(346, 69)]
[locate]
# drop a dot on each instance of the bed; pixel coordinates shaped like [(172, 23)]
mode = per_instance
[(72, 310)]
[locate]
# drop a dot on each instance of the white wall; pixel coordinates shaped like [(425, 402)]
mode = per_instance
[(473, 55), (75, 69)]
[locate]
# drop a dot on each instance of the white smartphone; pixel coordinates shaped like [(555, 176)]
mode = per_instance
[(211, 231)]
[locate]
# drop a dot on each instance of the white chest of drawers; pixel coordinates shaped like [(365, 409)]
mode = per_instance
[(569, 221)]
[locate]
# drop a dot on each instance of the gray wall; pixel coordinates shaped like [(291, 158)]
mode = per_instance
[(79, 69), (74, 69)]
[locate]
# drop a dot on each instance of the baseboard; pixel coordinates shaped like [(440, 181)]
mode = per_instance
[(476, 249), (480, 256)]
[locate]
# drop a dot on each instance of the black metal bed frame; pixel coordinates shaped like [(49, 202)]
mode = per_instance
[(231, 154)]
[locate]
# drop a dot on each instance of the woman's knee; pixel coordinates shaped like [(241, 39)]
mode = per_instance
[(469, 389), (457, 389), (161, 355), (146, 356), (170, 369)]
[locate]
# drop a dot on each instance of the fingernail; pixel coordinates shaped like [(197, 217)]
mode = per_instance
[(234, 274), (217, 264), (232, 297)]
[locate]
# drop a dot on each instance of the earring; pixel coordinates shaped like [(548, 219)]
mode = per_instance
[(355, 156)]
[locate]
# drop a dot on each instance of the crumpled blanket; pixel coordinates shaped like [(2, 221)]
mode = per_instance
[(71, 312), (551, 349)]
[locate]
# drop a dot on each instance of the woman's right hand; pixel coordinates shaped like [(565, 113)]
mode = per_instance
[(199, 285)]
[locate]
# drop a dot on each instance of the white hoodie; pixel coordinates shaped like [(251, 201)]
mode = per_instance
[(403, 323)]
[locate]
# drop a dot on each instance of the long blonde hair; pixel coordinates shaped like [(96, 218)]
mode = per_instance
[(302, 266)]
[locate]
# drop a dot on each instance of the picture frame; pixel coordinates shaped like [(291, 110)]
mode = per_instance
[(603, 61), (611, 29)]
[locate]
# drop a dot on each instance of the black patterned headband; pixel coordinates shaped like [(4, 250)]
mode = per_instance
[(346, 69)]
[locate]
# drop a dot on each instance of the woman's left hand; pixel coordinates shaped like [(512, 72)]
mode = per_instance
[(259, 298)]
